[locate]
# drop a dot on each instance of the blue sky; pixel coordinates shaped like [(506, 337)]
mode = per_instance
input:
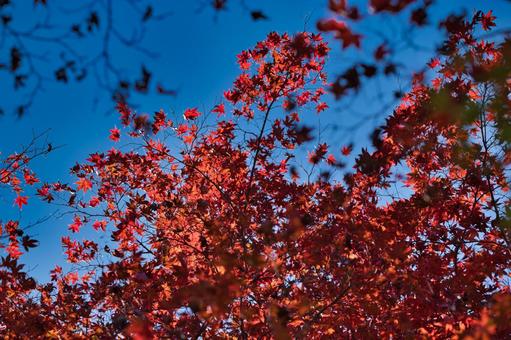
[(197, 55)]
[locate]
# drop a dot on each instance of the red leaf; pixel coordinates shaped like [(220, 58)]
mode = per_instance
[(321, 107), (125, 112), (219, 109), (330, 159), (20, 201), (84, 184), (94, 202), (72, 277), (342, 32), (434, 63), (75, 226), (30, 179), (346, 150), (191, 114), (182, 129), (488, 21), (115, 134), (99, 225)]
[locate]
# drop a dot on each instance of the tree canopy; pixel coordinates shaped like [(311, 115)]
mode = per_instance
[(219, 226)]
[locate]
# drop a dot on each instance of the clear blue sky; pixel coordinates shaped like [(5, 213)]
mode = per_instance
[(198, 56)]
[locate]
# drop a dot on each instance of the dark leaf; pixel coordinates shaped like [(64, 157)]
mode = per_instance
[(81, 76), (142, 84), (28, 243), (337, 89), (6, 19), (219, 4), (20, 110), (124, 85), (419, 16), (352, 78), (258, 15), (92, 21), (19, 81), (77, 30), (148, 13), (376, 137), (369, 70), (15, 59), (162, 90), (61, 75), (389, 69), (302, 134)]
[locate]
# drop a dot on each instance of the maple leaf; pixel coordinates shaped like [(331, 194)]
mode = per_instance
[(72, 277), (434, 63), (488, 21), (16, 58), (318, 154), (188, 139), (29, 177), (76, 225), (54, 273), (346, 150), (84, 184), (219, 4), (115, 134), (332, 25), (160, 121), (99, 225), (164, 91), (380, 52), (182, 129), (342, 32), (191, 114), (148, 13), (125, 113), (302, 134), (94, 202), (258, 15), (331, 159), (321, 107), (45, 193), (13, 250), (20, 201), (244, 60), (28, 242), (219, 109)]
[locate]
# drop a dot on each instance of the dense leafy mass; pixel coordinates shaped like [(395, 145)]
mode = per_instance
[(215, 233)]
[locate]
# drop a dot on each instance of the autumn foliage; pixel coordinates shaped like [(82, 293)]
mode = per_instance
[(214, 232)]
